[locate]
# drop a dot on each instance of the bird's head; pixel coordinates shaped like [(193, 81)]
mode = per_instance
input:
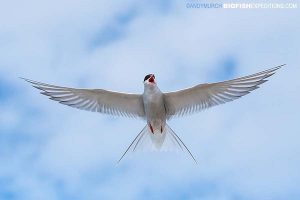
[(150, 79)]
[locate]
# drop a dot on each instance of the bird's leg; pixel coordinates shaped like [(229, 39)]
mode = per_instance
[(161, 129), (151, 128)]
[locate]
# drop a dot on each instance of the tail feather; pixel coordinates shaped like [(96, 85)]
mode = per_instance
[(134, 144), (180, 143), (166, 141)]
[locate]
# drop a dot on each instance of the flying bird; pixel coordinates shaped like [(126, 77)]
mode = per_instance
[(154, 106)]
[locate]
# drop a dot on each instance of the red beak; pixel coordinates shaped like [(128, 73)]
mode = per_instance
[(151, 79)]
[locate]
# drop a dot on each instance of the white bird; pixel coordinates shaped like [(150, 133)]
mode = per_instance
[(155, 106)]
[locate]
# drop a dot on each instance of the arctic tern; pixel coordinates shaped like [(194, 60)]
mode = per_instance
[(154, 106)]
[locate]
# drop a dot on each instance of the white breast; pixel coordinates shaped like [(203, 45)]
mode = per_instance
[(154, 107)]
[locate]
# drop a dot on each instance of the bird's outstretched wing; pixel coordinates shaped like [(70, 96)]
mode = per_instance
[(204, 96), (96, 100)]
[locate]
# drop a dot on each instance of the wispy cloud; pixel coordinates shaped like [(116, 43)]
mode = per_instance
[(114, 30)]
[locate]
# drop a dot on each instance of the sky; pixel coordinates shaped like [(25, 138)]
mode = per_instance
[(246, 149)]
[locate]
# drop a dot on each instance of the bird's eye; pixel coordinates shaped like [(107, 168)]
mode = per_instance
[(147, 77)]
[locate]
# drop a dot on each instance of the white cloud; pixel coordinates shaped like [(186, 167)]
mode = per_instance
[(247, 148)]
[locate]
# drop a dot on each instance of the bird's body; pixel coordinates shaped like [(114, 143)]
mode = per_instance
[(155, 112), (155, 106)]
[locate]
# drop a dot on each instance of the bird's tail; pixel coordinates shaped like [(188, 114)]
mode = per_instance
[(166, 141)]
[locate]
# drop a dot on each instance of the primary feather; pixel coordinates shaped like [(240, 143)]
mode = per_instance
[(204, 96), (96, 100)]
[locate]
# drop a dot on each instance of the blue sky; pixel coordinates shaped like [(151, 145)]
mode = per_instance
[(247, 149)]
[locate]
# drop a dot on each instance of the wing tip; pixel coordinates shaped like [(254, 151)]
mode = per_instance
[(272, 71), (30, 81), (25, 79), (278, 67)]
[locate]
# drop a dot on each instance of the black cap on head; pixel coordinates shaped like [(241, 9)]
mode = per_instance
[(148, 76)]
